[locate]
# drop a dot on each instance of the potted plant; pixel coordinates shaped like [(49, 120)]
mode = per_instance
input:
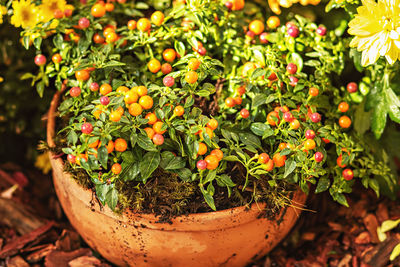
[(188, 131)]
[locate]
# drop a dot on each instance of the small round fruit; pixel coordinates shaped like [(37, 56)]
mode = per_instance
[(158, 139), (348, 174), (309, 144), (168, 81), (83, 23), (212, 162), (87, 128), (82, 75), (191, 77), (116, 168), (179, 111), (313, 91), (264, 38), (273, 118), (315, 117), (263, 158), (345, 122), (120, 145), (352, 87), (293, 81), (157, 18), (269, 165), (218, 153), (143, 25), (339, 161), (142, 90), (151, 117), (194, 64), (169, 55), (273, 22), (295, 124), (115, 116), (244, 113), (98, 39), (343, 107), (230, 102), (321, 31), (40, 60), (288, 116), (131, 97), (56, 58), (310, 134), (109, 7), (238, 100), (202, 149), (241, 90), (282, 146), (98, 10), (94, 87), (132, 24), (293, 31), (111, 37), (279, 160), (75, 91), (71, 159), (146, 102), (201, 165), (291, 68), (158, 126), (58, 14), (135, 109), (318, 156), (166, 68), (122, 90), (237, 4), (150, 132), (105, 89), (104, 100), (212, 124), (256, 26), (154, 65)]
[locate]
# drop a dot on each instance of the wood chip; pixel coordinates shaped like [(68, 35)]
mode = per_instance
[(371, 223), (363, 238), (379, 255), (40, 254), (85, 261), (17, 261), (68, 241), (58, 258)]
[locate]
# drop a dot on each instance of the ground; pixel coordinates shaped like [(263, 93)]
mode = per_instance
[(35, 232)]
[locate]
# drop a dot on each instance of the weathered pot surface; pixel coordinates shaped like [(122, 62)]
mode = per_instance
[(232, 237)]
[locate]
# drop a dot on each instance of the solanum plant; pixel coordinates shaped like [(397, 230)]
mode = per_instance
[(203, 90)]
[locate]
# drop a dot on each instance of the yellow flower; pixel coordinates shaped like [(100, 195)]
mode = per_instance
[(43, 163), (3, 11), (48, 7), (25, 14), (377, 30)]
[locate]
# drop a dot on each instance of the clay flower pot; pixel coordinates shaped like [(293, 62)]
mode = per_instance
[(232, 237)]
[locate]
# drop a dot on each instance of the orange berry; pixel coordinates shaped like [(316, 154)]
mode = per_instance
[(179, 111), (154, 65), (169, 55), (263, 158), (273, 22), (282, 146), (238, 100), (157, 18), (218, 153), (212, 162), (339, 161), (237, 4), (115, 116), (94, 144), (98, 10), (109, 7), (209, 132), (191, 77), (202, 149), (151, 117), (256, 26), (143, 25), (273, 118), (279, 160), (120, 110), (108, 29), (111, 37), (212, 124), (98, 39), (116, 168), (343, 107), (110, 147), (241, 90), (56, 58), (131, 97), (269, 165), (313, 91), (105, 89), (150, 132), (166, 68), (122, 89), (146, 102), (309, 144), (194, 64), (132, 24), (230, 102), (135, 109), (120, 145), (295, 124), (82, 75), (158, 139), (158, 126), (142, 90), (345, 122)]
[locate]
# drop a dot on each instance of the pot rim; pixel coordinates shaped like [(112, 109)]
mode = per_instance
[(149, 219)]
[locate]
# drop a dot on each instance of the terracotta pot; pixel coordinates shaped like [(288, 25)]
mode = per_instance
[(232, 237)]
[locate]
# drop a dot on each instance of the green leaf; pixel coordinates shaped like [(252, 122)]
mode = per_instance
[(259, 128), (362, 120), (257, 73), (101, 191), (102, 156), (112, 198), (395, 253), (144, 142), (37, 42), (296, 59), (72, 137), (25, 41), (171, 162), (323, 185), (149, 164), (129, 171), (290, 165), (210, 176), (250, 139), (258, 100), (342, 199), (389, 225), (393, 105), (208, 198), (379, 114), (185, 174), (230, 158), (374, 185)]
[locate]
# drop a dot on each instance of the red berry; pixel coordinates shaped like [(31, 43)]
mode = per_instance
[(86, 128), (168, 81), (104, 100), (310, 134), (68, 12), (158, 139), (293, 81), (84, 23), (288, 117), (348, 174), (291, 68), (71, 158), (318, 156), (244, 113), (75, 91), (250, 34), (264, 38), (293, 31), (352, 87), (321, 31), (229, 5), (315, 117), (202, 51), (201, 165), (94, 87), (40, 60)]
